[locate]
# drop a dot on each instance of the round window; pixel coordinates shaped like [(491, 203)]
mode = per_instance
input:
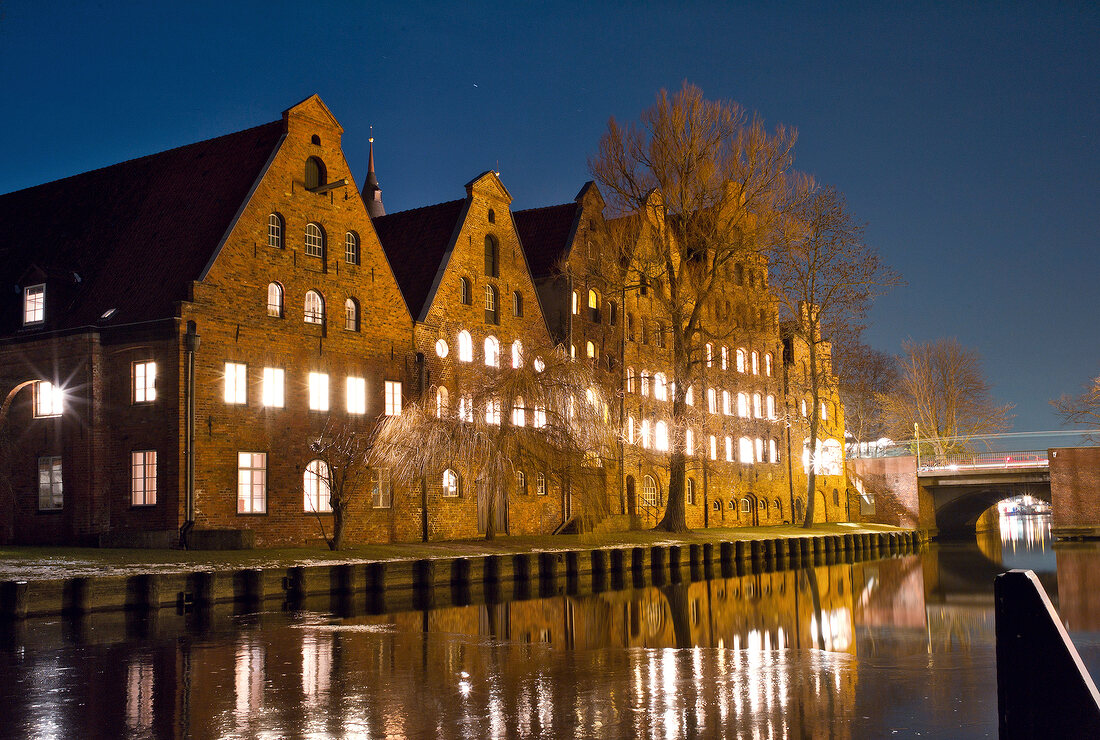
[(441, 348)]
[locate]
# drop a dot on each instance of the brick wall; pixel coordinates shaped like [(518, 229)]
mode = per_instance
[(1075, 490)]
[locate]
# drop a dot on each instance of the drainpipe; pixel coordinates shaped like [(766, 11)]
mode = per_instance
[(190, 346), (422, 388)]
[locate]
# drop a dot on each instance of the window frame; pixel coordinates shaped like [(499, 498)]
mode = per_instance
[(256, 481), (314, 244), (451, 483), (147, 490), (381, 488), (318, 389), (51, 492), (492, 305), (269, 386), (143, 383), (276, 228), (235, 391), (351, 314), (351, 248), (316, 482), (316, 315), (392, 390), (492, 256), (355, 394), (34, 304), (275, 310)]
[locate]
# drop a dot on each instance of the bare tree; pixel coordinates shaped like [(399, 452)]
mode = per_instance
[(1083, 408), (690, 192), (548, 410), (944, 391), (864, 374), (825, 277), (343, 447)]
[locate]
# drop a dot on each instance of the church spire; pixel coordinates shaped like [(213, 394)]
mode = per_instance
[(372, 194)]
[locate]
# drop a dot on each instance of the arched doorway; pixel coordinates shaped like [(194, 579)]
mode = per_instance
[(750, 511)]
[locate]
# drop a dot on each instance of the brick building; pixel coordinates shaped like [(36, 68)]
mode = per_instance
[(175, 329)]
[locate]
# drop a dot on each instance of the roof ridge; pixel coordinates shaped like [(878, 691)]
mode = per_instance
[(419, 209), (543, 208)]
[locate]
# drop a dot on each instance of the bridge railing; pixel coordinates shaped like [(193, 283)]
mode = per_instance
[(985, 460)]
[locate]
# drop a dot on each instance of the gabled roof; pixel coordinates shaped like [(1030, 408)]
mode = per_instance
[(416, 243), (131, 236), (547, 235)]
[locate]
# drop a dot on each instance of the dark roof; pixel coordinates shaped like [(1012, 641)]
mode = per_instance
[(415, 243), (130, 236), (546, 234)]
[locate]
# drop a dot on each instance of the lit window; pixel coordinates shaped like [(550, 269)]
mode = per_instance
[(824, 413), (381, 488), (517, 303), (351, 315), (773, 451), (689, 442), (660, 387), (745, 451), (727, 407), (451, 484), (740, 360), (803, 406), (712, 401), (464, 294), (645, 382), (315, 241), (689, 397), (729, 449), (351, 248), (236, 382), (492, 315), (770, 406), (275, 300), (393, 398), (755, 363), (357, 395), (759, 445), (465, 347), (442, 402), (725, 358), (492, 411), (143, 477), (34, 304), (540, 484), (649, 491), (318, 392), (517, 354), (768, 364), (576, 302), (144, 377), (590, 350), (689, 490), (572, 351), (540, 417), (713, 447), (50, 494), (757, 410), (441, 348), (314, 308), (465, 408), (251, 482), (274, 388), (630, 430), (661, 433), (317, 487), (275, 231), (743, 405), (519, 413), (594, 306), (492, 352), (645, 433), (630, 380), (710, 354)]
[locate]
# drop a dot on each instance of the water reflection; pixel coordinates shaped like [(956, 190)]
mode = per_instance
[(896, 645)]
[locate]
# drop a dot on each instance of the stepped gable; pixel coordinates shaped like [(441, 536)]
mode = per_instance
[(416, 242), (131, 236), (547, 236)]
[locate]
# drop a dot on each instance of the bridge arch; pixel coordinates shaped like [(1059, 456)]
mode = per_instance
[(959, 507)]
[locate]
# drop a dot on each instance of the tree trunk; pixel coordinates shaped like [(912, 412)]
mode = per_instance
[(675, 518), (338, 514), (815, 420)]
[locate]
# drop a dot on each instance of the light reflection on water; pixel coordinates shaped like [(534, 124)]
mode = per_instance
[(898, 645)]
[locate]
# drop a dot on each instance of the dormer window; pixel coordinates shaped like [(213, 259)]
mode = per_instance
[(315, 173), (34, 304)]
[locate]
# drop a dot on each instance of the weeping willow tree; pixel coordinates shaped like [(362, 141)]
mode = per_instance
[(549, 413)]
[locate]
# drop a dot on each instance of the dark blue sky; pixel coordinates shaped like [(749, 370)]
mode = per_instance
[(964, 134)]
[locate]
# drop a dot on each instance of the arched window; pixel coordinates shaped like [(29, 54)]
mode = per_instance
[(275, 231), (492, 216), (745, 450), (540, 484), (778, 507), (465, 408), (689, 442), (315, 241), (351, 248), (729, 449), (442, 402), (727, 407), (492, 411), (464, 294), (517, 354), (594, 306), (644, 432), (452, 485), (757, 411), (465, 347), (713, 447), (689, 396), (689, 491), (740, 360), (612, 312), (710, 354), (645, 382), (746, 506), (275, 300), (316, 483), (316, 175), (645, 331), (630, 380), (712, 400), (755, 363), (831, 458), (517, 303), (660, 432), (590, 350), (824, 412), (769, 406), (759, 446), (649, 491), (441, 348), (492, 352), (743, 405), (519, 412), (521, 483), (492, 256), (725, 358), (768, 364), (660, 387), (773, 451), (314, 308), (351, 314), (492, 305), (576, 303)]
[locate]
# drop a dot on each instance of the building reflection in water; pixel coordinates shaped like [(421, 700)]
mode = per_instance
[(139, 695)]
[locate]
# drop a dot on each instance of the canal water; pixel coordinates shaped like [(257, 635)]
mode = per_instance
[(899, 647)]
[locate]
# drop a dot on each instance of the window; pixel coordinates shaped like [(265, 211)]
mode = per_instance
[(644, 431), (630, 429), (442, 402), (689, 397), (769, 406), (727, 407), (594, 306), (318, 391), (645, 382), (713, 447), (612, 313), (492, 314), (465, 347), (236, 382), (314, 308), (746, 506), (351, 315), (275, 300), (712, 401), (649, 491), (492, 216), (745, 452), (590, 349), (540, 417), (441, 348), (768, 364), (710, 354), (316, 176), (689, 442), (492, 411), (452, 486), (773, 451), (803, 406), (661, 434), (517, 303), (755, 363), (743, 405), (357, 395), (492, 256), (351, 248), (317, 487), (465, 408), (540, 484), (740, 360), (729, 449), (143, 477), (660, 387), (576, 303), (725, 358), (381, 488), (659, 335), (275, 231), (824, 413), (50, 496), (464, 294), (251, 482), (144, 381), (492, 352), (315, 241), (757, 411), (517, 354), (519, 413), (630, 380), (759, 447), (689, 490), (34, 304), (521, 483), (274, 388), (393, 398)]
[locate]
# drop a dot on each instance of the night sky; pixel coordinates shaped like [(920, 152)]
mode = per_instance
[(964, 136)]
